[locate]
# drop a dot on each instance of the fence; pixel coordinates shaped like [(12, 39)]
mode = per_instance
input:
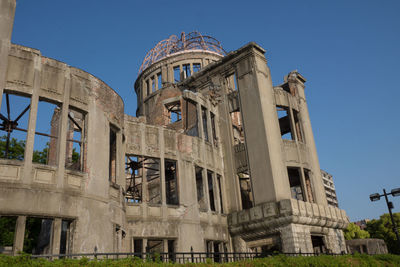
[(178, 257)]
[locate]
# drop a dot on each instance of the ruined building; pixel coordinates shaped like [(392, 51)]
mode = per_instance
[(329, 187), (217, 159)]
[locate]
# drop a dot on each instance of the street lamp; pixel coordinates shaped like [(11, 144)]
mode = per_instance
[(395, 192)]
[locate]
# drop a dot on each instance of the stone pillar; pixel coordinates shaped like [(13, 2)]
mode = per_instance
[(296, 83), (238, 244), (30, 136), (262, 133), (56, 237), (19, 234), (7, 11), (144, 248)]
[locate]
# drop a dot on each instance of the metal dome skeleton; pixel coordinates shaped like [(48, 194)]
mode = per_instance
[(191, 41)]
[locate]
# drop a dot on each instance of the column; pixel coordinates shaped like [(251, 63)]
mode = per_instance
[(30, 136), (262, 133), (56, 237), (19, 234)]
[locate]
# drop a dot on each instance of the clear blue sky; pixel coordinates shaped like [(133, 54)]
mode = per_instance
[(349, 52)]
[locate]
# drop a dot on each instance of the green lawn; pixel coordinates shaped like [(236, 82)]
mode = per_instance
[(279, 260)]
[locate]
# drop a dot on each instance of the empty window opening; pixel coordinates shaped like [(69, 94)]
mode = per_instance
[(159, 81), (217, 256), (191, 118), (66, 237), (171, 182), (46, 134), (148, 87), (199, 187), (214, 133), (318, 244), (284, 123), (204, 119), (177, 74), (211, 190), (220, 192), (297, 126), (186, 70), (237, 129), (295, 183), (153, 84), (7, 229), (138, 247), (134, 178), (245, 190), (171, 250), (307, 179), (75, 149), (152, 169), (155, 246), (196, 67), (174, 112), (113, 155), (231, 82), (38, 232), (13, 126)]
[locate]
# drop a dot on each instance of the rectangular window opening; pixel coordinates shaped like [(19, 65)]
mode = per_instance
[(174, 112), (14, 118), (196, 67), (310, 194), (75, 149), (153, 178), (237, 128), (211, 190), (284, 123), (148, 87), (171, 250), (38, 232), (134, 179), (318, 244), (159, 81), (138, 247), (46, 133), (231, 82), (153, 84), (113, 155), (177, 74), (191, 118), (205, 125), (66, 237), (297, 126), (199, 187), (186, 71), (295, 183), (220, 192), (245, 190), (171, 182), (214, 133), (7, 230)]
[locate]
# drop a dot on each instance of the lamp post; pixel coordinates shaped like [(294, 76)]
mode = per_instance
[(395, 192)]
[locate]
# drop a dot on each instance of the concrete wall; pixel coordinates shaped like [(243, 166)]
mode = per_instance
[(87, 196)]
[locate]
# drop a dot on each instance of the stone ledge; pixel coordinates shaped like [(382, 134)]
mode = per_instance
[(266, 216)]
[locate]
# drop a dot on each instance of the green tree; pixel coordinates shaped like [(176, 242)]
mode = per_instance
[(7, 228), (16, 148), (354, 232), (383, 229)]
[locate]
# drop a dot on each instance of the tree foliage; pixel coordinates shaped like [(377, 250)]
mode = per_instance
[(383, 229), (354, 232), (16, 148)]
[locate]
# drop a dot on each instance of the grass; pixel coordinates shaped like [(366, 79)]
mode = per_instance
[(279, 260)]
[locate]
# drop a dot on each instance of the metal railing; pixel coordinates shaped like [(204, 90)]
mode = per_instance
[(178, 257)]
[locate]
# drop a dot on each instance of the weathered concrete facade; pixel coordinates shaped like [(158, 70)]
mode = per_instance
[(206, 164)]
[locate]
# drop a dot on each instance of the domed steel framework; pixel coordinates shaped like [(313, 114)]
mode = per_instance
[(191, 41)]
